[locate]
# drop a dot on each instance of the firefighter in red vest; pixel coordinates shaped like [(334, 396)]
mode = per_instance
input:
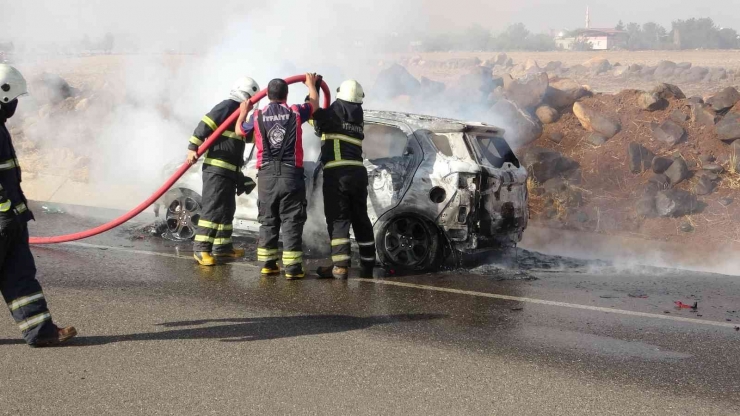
[(281, 187)]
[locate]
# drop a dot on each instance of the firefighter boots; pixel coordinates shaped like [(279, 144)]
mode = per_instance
[(294, 272), (270, 267), (336, 272), (204, 258), (62, 335)]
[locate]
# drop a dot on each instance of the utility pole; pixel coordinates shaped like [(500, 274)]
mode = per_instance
[(588, 19)]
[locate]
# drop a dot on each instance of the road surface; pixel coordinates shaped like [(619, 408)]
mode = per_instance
[(536, 335)]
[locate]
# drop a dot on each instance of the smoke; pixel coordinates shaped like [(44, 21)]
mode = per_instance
[(174, 60)]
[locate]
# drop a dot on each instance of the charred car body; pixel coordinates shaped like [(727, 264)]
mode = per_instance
[(435, 186)]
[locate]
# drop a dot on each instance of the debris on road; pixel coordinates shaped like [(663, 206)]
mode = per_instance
[(50, 209), (681, 305)]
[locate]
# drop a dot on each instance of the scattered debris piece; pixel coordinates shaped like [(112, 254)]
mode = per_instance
[(517, 309), (49, 209), (681, 305), (638, 295)]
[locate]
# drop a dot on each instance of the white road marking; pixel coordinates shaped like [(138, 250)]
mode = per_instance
[(449, 290)]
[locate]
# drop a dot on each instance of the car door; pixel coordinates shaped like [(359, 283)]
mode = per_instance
[(392, 155)]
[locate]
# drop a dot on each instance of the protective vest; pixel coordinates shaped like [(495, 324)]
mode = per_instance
[(12, 201), (226, 155), (341, 128), (278, 135)]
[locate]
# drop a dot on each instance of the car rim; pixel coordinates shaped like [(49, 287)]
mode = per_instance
[(407, 242), (182, 217)]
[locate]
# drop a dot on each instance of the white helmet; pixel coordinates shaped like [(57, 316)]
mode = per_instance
[(12, 84), (244, 89), (351, 91)]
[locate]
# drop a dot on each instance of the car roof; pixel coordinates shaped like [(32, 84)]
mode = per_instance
[(434, 124)]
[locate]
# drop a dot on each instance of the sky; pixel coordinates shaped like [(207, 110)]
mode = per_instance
[(183, 23)]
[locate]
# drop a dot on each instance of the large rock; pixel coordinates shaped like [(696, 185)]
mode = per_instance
[(645, 206), (704, 186), (596, 139), (597, 65), (546, 164), (595, 122), (675, 203), (50, 89), (547, 114), (724, 99), (664, 69), (647, 72), (501, 59), (430, 88), (715, 75), (678, 172), (668, 91), (651, 102), (395, 81), (703, 115), (661, 164), (553, 66), (669, 132), (728, 128), (621, 71), (526, 92), (521, 127), (563, 93), (695, 74), (640, 158), (684, 65), (679, 116)]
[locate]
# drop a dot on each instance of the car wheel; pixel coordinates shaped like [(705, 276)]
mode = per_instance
[(183, 211), (408, 243)]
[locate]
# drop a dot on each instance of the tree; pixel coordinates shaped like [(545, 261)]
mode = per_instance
[(728, 39), (107, 44), (475, 38), (696, 33), (619, 26)]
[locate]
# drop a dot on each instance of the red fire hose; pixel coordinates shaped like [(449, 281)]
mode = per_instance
[(171, 181)]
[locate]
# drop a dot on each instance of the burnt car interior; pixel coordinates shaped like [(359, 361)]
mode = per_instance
[(496, 151)]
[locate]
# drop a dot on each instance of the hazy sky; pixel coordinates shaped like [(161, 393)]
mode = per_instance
[(194, 22)]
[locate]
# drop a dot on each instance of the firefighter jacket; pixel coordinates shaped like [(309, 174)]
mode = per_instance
[(12, 201), (226, 156), (278, 134), (341, 128)]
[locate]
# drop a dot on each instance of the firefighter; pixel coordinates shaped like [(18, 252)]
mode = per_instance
[(18, 284), (277, 134), (222, 177), (341, 128)]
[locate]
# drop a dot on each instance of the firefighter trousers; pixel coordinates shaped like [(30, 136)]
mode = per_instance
[(345, 205), (18, 284), (215, 224), (282, 206)]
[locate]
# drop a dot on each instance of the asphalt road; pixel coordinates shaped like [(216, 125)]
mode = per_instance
[(514, 335)]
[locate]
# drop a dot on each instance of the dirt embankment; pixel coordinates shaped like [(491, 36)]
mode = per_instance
[(608, 192)]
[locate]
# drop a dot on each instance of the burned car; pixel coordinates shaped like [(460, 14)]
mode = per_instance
[(436, 186)]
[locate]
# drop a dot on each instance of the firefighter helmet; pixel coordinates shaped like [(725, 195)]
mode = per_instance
[(351, 91), (244, 89), (12, 84)]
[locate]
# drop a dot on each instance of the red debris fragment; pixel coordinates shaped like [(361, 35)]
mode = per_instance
[(681, 305)]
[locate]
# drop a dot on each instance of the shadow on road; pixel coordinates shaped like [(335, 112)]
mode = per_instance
[(249, 329)]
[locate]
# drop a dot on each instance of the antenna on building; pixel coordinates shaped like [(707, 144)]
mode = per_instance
[(588, 19)]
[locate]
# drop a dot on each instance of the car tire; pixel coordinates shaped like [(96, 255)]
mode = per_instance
[(408, 243), (182, 211)]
